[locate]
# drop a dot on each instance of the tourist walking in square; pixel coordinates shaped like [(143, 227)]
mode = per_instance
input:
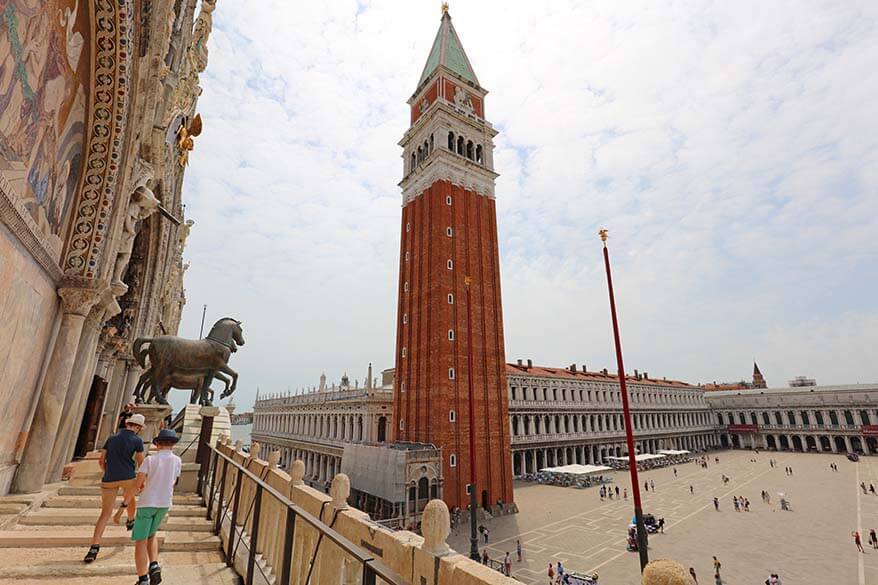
[(507, 564), (873, 538), (157, 475), (716, 504), (694, 576), (716, 565), (857, 542), (485, 557), (550, 572), (692, 489), (120, 457), (518, 549)]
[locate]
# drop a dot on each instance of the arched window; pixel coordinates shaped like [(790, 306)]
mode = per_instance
[(420, 155), (470, 150), (451, 141), (450, 265), (848, 417), (450, 299), (414, 163), (452, 461), (448, 200), (426, 149), (403, 352), (460, 145), (431, 143), (405, 318), (450, 373), (765, 418), (479, 158), (805, 418), (449, 232), (451, 335), (452, 416)]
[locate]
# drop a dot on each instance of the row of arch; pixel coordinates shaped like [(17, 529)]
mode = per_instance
[(821, 417), (340, 427), (562, 394), (532, 460), (803, 443), (546, 424), (457, 143)]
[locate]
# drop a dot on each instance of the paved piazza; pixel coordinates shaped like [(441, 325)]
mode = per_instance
[(810, 544)]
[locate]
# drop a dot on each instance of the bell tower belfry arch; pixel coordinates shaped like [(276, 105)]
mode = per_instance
[(449, 234)]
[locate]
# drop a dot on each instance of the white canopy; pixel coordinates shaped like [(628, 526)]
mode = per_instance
[(673, 452), (639, 458), (578, 469)]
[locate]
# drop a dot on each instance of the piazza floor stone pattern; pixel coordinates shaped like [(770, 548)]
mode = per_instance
[(810, 544)]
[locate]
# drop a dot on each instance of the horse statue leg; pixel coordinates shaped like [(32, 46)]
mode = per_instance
[(206, 396), (227, 370), (141, 386), (226, 381), (158, 392)]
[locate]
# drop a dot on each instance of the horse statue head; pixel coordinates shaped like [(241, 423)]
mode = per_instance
[(227, 331)]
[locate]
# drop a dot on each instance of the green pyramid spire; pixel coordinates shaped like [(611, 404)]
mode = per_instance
[(448, 51)]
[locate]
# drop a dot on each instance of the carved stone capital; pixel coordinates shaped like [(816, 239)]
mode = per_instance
[(78, 301)]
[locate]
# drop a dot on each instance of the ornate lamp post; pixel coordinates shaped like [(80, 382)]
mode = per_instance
[(629, 434), (473, 536)]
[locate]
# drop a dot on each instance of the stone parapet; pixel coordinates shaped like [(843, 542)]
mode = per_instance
[(413, 558)]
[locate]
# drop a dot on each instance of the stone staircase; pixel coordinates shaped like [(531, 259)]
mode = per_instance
[(43, 538)]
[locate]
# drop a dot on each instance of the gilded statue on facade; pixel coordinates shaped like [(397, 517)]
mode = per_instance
[(185, 135)]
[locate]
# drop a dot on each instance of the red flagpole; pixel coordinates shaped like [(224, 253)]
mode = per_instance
[(629, 434)]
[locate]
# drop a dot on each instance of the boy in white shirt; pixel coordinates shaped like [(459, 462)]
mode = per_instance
[(157, 475)]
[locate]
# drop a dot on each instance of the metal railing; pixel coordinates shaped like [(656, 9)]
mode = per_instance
[(272, 522)]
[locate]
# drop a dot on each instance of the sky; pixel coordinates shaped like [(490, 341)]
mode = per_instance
[(731, 149)]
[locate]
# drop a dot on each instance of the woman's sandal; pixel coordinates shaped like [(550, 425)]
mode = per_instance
[(92, 553), (129, 525)]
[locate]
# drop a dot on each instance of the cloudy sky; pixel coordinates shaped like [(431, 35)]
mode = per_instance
[(731, 148)]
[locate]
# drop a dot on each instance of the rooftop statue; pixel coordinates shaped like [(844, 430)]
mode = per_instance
[(188, 364)]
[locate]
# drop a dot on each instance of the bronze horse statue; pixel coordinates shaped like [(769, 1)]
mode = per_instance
[(183, 363)]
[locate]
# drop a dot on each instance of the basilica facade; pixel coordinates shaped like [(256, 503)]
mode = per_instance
[(97, 120)]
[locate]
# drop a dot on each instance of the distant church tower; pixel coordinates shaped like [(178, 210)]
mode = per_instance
[(449, 232), (758, 379)]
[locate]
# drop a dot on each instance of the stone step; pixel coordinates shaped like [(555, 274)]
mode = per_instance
[(82, 574), (11, 558), (94, 501), (88, 516), (114, 536), (65, 536), (95, 490)]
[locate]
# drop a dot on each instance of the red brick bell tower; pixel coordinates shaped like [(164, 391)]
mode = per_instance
[(449, 232)]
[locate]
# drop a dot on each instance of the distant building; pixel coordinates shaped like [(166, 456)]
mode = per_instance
[(806, 418), (244, 418), (758, 382), (344, 428)]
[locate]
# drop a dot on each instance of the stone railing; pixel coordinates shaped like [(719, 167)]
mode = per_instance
[(276, 530)]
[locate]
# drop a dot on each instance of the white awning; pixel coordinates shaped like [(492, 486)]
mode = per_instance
[(639, 458), (673, 452), (577, 469)]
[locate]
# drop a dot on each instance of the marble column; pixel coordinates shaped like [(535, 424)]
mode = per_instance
[(76, 303), (112, 407), (80, 384)]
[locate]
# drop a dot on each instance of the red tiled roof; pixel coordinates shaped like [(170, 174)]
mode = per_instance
[(548, 372)]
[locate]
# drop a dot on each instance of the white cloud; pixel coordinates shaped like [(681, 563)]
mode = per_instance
[(730, 148)]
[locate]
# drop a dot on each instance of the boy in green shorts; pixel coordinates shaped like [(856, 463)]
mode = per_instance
[(158, 475)]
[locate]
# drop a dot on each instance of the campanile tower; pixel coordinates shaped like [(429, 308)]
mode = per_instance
[(449, 233)]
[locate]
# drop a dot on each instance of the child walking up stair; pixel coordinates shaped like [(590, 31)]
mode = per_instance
[(157, 474)]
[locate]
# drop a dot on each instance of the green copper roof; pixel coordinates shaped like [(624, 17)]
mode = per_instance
[(448, 51)]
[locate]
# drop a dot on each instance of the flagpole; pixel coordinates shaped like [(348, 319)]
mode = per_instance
[(629, 434)]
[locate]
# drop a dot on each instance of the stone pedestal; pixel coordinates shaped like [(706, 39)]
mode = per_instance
[(188, 445), (154, 415)]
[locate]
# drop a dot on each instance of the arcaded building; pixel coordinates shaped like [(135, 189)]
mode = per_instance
[(836, 419), (559, 416), (97, 120)]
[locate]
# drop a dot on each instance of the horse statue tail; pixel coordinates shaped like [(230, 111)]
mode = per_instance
[(140, 354)]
